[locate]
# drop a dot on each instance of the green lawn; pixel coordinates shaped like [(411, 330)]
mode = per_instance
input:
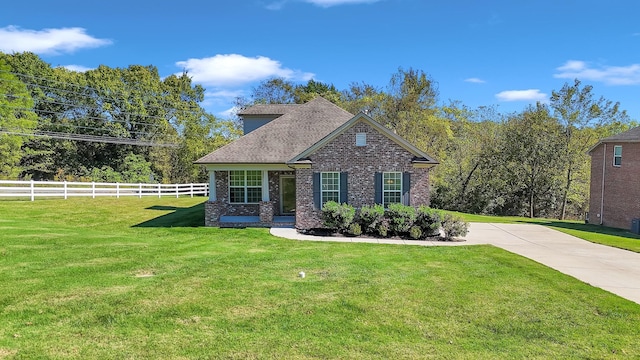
[(142, 279), (619, 238)]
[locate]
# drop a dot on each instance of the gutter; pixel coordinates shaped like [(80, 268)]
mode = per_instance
[(604, 158)]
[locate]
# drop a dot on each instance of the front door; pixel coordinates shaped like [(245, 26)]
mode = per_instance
[(287, 195)]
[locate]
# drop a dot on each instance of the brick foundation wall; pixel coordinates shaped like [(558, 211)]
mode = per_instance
[(381, 154), (621, 186)]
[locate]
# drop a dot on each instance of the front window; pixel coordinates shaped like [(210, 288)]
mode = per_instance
[(245, 186), (330, 186), (617, 155), (391, 188)]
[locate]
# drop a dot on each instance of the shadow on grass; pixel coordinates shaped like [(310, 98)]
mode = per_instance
[(179, 217), (592, 228)]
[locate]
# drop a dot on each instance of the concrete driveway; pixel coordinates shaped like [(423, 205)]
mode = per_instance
[(611, 269)]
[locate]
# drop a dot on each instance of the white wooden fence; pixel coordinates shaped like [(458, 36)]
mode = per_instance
[(33, 189)]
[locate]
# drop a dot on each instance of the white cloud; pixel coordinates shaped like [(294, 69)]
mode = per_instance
[(277, 5), (330, 3), (521, 95), (475, 80), (226, 70), (77, 68), (610, 75), (47, 41)]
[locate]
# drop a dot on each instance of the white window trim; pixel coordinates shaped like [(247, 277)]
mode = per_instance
[(322, 191), (617, 156), (246, 193), (391, 191)]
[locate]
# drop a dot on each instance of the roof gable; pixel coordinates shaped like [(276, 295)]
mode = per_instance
[(281, 139), (631, 135), (420, 155)]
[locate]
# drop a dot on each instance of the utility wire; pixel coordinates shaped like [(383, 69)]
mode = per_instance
[(89, 138)]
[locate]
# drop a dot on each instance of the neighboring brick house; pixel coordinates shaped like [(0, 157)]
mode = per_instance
[(615, 180), (293, 158)]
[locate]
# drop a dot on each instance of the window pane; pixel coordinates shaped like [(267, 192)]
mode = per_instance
[(617, 150), (330, 196), (236, 195), (392, 181), (254, 195), (236, 178), (254, 178), (330, 181)]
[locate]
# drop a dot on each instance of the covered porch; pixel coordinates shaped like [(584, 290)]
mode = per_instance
[(251, 196)]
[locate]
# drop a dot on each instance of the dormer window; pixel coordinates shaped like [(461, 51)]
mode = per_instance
[(361, 139)]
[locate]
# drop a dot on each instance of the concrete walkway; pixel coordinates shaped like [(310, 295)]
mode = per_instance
[(611, 269)]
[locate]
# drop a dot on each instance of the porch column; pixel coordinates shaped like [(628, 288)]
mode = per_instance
[(265, 185), (212, 185)]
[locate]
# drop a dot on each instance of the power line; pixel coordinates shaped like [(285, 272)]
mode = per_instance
[(89, 138)]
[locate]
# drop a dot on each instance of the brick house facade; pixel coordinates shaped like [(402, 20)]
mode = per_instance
[(325, 152), (615, 186)]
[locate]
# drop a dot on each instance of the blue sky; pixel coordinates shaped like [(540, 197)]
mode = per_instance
[(507, 53)]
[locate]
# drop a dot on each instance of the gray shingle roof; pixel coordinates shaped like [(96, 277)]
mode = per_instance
[(629, 135), (281, 139), (268, 109)]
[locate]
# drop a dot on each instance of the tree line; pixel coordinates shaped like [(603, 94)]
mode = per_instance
[(529, 163), (105, 124)]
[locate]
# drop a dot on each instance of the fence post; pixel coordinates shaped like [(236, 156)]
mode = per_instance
[(177, 194), (159, 192), (117, 190), (93, 190), (33, 192), (191, 187), (139, 190), (65, 189)]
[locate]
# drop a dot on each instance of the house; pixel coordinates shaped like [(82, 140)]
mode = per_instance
[(615, 180), (293, 158)]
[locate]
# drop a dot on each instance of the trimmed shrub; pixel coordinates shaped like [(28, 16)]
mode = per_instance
[(336, 216), (401, 218), (429, 220), (354, 229), (454, 226), (371, 217), (415, 232), (383, 228)]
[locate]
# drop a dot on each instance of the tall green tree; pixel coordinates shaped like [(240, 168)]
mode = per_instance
[(578, 109), (17, 121), (531, 158)]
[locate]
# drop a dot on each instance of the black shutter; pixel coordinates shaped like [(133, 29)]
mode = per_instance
[(377, 183), (317, 201), (343, 188), (406, 188)]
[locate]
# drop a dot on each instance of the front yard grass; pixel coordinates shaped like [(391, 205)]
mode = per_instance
[(619, 238), (141, 278)]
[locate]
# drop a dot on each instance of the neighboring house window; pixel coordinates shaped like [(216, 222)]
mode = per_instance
[(245, 186), (391, 188), (330, 186), (361, 139), (617, 155)]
